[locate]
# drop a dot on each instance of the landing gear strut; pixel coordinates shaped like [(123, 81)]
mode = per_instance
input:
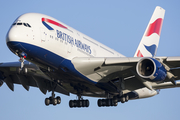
[(53, 100), (22, 57), (22, 62)]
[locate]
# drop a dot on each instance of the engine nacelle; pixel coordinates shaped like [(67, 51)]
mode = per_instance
[(151, 69)]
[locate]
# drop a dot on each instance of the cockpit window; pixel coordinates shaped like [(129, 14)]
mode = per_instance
[(28, 25), (19, 23), (25, 24)]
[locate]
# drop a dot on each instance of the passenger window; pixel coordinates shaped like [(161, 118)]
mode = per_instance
[(14, 24)]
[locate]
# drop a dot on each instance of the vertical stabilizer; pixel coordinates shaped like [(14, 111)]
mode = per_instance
[(150, 40)]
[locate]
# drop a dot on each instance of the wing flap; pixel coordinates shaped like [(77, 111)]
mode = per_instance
[(173, 62), (171, 59), (165, 85), (172, 65)]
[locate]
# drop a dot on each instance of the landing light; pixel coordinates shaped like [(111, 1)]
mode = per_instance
[(23, 54)]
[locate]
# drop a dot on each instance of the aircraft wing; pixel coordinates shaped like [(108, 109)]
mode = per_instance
[(121, 73), (103, 70), (31, 75)]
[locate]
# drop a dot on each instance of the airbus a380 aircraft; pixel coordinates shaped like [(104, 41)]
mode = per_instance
[(62, 59)]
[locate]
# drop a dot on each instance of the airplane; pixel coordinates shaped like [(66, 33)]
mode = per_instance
[(57, 58)]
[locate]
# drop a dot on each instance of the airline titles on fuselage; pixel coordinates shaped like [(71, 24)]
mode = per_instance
[(74, 42)]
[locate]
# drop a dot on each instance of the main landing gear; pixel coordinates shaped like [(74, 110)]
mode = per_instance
[(107, 102), (112, 102), (124, 98), (79, 103), (53, 100)]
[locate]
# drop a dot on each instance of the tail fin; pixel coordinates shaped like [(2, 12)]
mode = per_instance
[(150, 40)]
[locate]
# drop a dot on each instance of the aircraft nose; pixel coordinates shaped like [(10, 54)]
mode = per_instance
[(12, 35), (13, 38)]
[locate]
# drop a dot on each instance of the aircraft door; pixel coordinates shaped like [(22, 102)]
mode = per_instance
[(43, 35), (69, 48)]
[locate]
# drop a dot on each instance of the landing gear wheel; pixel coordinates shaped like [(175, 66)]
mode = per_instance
[(83, 103), (99, 102), (47, 101), (58, 100), (123, 100), (78, 103), (54, 101), (126, 98), (71, 104), (86, 103), (115, 103), (103, 102), (107, 102)]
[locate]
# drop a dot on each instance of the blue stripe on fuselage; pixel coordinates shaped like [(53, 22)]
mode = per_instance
[(48, 27), (47, 58)]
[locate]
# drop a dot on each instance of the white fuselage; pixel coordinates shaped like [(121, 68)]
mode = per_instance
[(63, 40)]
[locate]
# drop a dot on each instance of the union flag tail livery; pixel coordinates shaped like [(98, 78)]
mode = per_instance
[(150, 40)]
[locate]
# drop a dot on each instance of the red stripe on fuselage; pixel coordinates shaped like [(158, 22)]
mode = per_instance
[(155, 27), (54, 22)]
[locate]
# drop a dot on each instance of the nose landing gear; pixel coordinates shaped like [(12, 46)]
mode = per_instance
[(22, 57)]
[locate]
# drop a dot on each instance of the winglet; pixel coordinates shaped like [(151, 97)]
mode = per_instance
[(150, 40)]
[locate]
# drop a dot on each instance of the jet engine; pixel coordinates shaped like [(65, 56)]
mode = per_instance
[(151, 70)]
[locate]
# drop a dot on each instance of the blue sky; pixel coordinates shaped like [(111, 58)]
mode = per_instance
[(118, 24)]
